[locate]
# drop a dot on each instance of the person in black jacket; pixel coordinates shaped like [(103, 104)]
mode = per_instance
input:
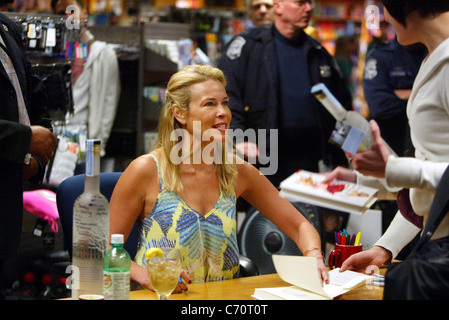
[(270, 72), (26, 140)]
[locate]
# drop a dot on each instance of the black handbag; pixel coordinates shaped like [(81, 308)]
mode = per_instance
[(424, 274)]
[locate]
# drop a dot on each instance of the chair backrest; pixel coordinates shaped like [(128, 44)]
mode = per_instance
[(259, 238), (69, 190)]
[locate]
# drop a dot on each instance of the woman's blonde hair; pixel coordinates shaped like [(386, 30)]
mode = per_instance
[(179, 93)]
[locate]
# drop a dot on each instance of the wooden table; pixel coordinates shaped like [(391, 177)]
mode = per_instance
[(243, 288)]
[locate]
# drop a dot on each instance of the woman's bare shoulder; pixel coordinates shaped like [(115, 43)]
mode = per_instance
[(143, 167)]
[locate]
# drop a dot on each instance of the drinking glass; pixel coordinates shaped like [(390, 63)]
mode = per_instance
[(164, 272)]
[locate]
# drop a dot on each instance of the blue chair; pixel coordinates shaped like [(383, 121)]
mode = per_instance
[(66, 195)]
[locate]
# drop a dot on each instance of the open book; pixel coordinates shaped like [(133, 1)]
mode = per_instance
[(302, 273), (308, 187)]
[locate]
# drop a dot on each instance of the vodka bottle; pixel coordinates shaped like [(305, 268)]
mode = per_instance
[(90, 229), (116, 270)]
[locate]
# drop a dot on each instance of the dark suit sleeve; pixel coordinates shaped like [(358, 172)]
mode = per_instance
[(38, 102), (14, 137), (14, 141)]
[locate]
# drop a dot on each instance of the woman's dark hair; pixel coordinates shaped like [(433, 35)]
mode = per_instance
[(400, 9)]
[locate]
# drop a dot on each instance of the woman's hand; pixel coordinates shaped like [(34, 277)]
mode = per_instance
[(139, 274), (184, 279), (367, 261), (340, 173), (373, 161), (322, 270)]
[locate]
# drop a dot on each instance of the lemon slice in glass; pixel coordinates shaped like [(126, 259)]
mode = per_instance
[(154, 252)]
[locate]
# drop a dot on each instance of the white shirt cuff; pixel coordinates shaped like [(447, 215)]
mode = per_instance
[(398, 235)]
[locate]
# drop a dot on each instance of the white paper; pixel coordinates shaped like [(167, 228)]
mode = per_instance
[(347, 279), (51, 37), (353, 140), (286, 293), (302, 273)]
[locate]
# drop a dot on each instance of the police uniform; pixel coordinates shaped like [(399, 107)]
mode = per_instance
[(249, 62), (390, 67)]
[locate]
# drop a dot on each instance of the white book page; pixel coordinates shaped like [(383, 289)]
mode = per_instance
[(300, 271), (347, 279)]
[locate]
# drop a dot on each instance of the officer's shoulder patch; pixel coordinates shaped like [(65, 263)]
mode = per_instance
[(235, 48), (370, 69)]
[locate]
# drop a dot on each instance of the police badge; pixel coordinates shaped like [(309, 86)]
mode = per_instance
[(370, 69), (325, 71), (235, 48)]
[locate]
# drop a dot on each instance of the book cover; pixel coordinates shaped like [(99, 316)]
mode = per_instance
[(309, 187)]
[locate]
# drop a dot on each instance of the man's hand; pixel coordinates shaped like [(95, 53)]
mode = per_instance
[(248, 151), (30, 170), (43, 143)]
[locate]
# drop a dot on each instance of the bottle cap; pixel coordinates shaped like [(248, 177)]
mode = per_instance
[(117, 239)]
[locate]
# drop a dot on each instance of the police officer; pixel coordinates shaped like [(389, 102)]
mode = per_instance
[(260, 12), (390, 71), (270, 71)]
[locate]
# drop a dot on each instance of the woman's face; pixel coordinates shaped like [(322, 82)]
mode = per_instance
[(209, 112)]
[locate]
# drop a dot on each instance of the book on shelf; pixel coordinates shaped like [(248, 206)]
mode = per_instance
[(301, 273)]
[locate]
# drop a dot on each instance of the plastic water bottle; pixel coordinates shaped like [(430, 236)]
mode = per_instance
[(90, 229), (117, 263)]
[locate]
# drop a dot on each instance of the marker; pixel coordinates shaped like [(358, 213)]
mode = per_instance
[(353, 239), (357, 239)]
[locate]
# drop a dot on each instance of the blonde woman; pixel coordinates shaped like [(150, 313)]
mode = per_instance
[(183, 199)]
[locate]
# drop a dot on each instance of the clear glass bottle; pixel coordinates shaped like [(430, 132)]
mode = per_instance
[(117, 264), (90, 229)]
